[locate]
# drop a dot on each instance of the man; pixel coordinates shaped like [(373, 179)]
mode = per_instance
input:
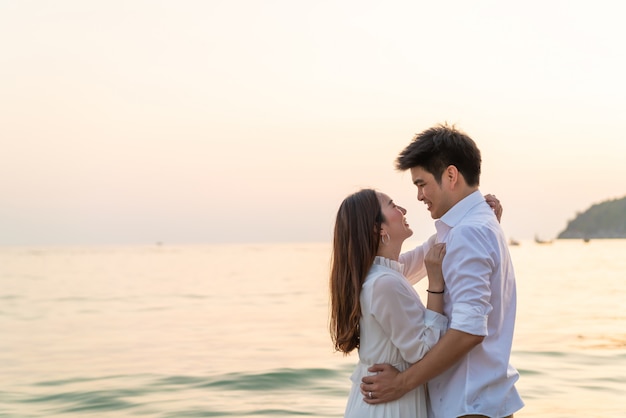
[(468, 370)]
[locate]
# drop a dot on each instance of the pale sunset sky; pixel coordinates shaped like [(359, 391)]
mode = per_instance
[(135, 122)]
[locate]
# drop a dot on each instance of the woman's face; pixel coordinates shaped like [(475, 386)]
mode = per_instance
[(395, 223)]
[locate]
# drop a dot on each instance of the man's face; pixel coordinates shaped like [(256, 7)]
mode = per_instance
[(434, 195)]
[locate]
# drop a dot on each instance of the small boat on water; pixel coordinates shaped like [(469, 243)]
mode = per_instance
[(540, 241), (513, 242)]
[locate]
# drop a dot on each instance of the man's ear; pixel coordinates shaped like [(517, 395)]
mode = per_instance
[(451, 175)]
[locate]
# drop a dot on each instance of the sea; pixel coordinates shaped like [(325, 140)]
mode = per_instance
[(241, 330)]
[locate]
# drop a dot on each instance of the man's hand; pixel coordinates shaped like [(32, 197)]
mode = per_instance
[(385, 386)]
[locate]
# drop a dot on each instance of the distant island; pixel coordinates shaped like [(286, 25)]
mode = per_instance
[(602, 220)]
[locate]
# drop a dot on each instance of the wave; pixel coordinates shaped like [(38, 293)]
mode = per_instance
[(180, 395), (313, 378)]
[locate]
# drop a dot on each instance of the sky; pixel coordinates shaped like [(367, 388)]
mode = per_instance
[(247, 121)]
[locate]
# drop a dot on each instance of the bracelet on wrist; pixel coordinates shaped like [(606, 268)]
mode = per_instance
[(436, 293)]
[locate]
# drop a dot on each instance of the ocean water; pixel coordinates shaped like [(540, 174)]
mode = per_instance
[(241, 331)]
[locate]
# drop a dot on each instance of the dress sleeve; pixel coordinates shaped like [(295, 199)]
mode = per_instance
[(404, 318), (413, 261)]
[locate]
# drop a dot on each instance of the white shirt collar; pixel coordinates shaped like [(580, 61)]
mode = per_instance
[(454, 215)]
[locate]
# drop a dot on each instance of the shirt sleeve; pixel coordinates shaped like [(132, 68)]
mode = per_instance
[(467, 268), (413, 261), (409, 325)]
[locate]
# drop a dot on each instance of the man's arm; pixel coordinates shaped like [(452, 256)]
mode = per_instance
[(389, 384)]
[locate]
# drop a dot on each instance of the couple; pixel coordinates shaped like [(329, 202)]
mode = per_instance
[(460, 342)]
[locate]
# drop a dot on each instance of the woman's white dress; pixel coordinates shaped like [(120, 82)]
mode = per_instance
[(395, 328)]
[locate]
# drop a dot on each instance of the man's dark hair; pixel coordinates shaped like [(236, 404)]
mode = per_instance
[(439, 147)]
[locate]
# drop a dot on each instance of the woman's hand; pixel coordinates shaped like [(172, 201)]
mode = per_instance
[(433, 262), (495, 205)]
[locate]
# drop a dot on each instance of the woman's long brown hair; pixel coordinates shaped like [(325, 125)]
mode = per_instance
[(355, 244)]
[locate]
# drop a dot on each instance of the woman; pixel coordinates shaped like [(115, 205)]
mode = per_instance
[(373, 307)]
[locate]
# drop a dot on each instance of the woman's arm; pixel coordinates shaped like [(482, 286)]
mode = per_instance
[(413, 261), (409, 325), (436, 285)]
